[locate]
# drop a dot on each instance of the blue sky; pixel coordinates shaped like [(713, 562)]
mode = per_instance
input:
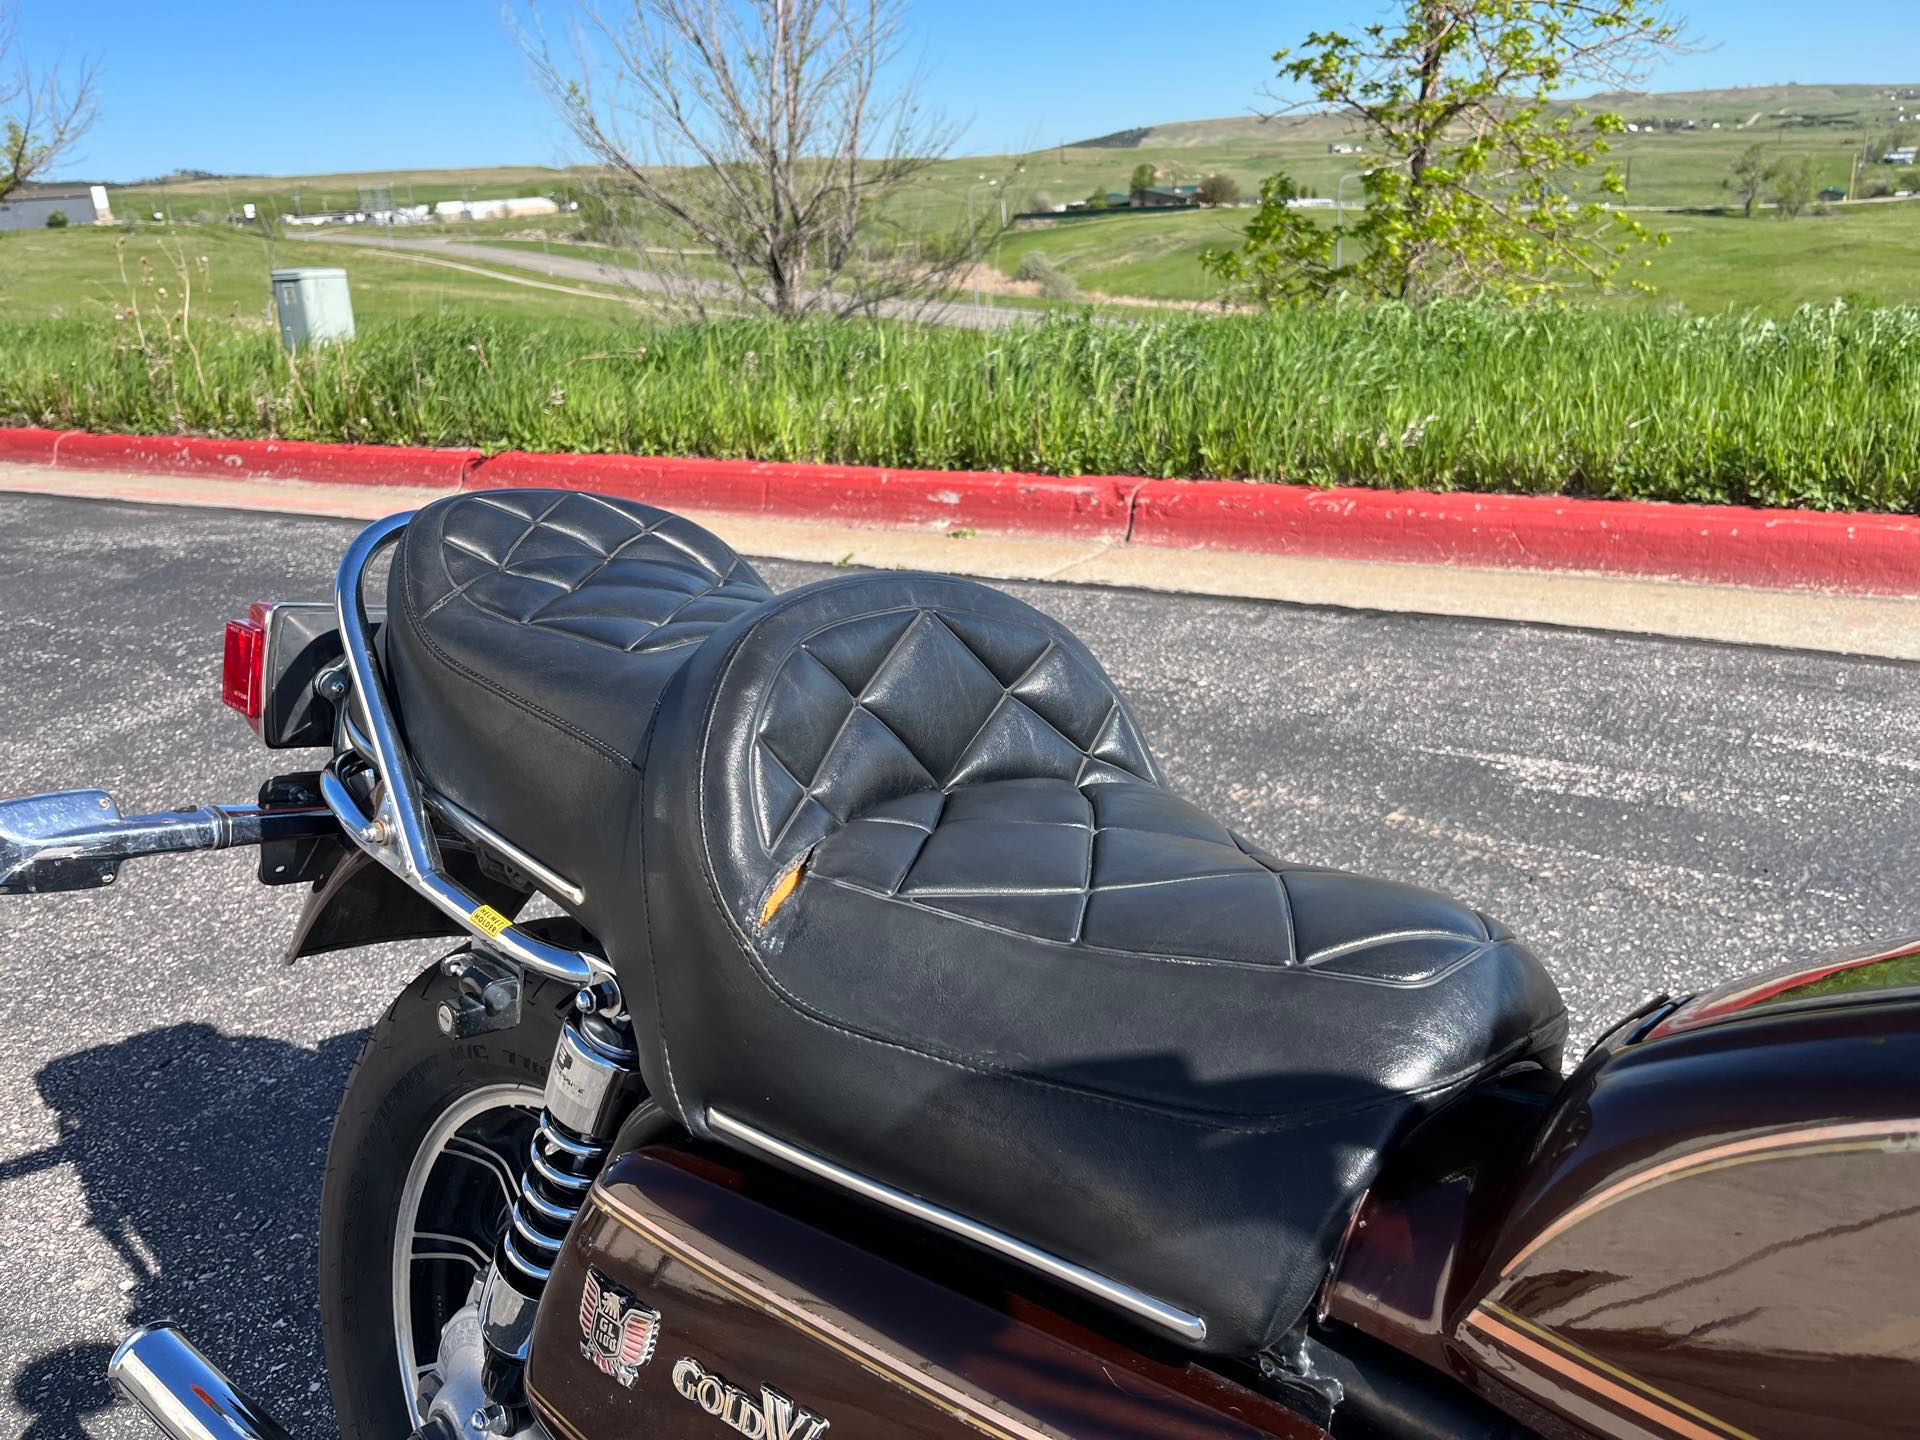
[(357, 85)]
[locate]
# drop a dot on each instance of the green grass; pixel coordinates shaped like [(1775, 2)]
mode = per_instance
[(87, 272), (1865, 254), (1713, 263), (1821, 411)]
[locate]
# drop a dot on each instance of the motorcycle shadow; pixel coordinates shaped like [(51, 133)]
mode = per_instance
[(200, 1156)]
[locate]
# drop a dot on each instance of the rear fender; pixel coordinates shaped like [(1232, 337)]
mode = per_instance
[(358, 901)]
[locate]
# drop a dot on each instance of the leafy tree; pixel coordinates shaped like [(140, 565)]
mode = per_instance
[(43, 114), (1749, 178), (1098, 199), (1219, 189), (1144, 178), (57, 220), (1457, 98), (1791, 183)]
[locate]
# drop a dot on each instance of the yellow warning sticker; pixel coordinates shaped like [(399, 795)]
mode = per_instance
[(489, 921)]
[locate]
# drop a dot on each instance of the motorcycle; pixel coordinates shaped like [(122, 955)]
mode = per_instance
[(850, 1032)]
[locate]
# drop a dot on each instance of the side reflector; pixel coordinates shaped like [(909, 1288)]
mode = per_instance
[(243, 668)]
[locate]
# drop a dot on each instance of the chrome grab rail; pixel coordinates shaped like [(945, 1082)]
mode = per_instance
[(400, 836)]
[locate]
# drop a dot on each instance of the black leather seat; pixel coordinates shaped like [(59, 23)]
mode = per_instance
[(906, 889), (529, 635)]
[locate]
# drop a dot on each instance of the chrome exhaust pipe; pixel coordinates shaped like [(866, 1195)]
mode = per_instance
[(158, 1369)]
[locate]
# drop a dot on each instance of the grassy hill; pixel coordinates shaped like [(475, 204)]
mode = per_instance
[(1715, 262), (1759, 107)]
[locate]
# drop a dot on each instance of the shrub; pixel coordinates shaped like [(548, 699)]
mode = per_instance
[(1219, 190), (1034, 267), (57, 220), (1037, 268)]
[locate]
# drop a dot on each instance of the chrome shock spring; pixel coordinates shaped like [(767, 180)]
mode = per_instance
[(560, 1171), (592, 1085)]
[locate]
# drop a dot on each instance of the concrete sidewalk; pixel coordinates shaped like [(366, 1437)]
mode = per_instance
[(1839, 624)]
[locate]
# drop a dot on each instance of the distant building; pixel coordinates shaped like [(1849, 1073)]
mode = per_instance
[(1903, 156), (511, 209), (1344, 147), (29, 206), (1165, 197), (1832, 193)]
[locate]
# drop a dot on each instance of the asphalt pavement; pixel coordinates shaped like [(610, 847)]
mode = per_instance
[(1653, 814)]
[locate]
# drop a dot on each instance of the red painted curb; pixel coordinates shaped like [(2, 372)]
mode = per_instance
[(309, 460), (1081, 507), (30, 447), (1719, 544), (1716, 544)]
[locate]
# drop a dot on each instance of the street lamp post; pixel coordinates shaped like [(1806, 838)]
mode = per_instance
[(973, 238)]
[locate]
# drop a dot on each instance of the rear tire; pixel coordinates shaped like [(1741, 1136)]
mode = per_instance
[(408, 1080)]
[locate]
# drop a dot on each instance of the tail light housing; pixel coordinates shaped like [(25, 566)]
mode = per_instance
[(243, 666)]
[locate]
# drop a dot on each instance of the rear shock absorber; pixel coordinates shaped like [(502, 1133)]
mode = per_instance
[(593, 1085)]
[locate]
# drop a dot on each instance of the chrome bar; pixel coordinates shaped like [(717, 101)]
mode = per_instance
[(77, 839), (158, 1369), (1124, 1297), (481, 833), (400, 836)]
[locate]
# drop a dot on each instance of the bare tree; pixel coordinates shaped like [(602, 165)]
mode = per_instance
[(43, 114), (766, 138)]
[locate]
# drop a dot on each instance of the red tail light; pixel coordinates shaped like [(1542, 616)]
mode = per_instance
[(243, 669)]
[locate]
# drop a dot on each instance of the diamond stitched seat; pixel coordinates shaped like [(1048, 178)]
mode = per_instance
[(1017, 976), (624, 576), (529, 635), (911, 700)]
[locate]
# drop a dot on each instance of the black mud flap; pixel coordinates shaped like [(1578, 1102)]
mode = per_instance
[(358, 901)]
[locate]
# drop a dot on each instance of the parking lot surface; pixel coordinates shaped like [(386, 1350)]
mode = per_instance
[(1652, 814)]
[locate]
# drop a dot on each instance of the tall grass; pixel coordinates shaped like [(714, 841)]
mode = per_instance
[(1821, 410)]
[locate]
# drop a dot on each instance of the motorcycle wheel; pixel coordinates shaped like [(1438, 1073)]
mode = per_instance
[(426, 1156)]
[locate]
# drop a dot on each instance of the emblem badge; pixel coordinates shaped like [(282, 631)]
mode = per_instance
[(617, 1332), (768, 1416)]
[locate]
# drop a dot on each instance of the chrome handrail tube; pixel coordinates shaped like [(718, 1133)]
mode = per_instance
[(400, 835)]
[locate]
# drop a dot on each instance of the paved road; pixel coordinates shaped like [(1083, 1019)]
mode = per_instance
[(573, 267), (1654, 814)]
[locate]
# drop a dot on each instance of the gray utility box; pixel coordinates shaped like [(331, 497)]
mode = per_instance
[(314, 305)]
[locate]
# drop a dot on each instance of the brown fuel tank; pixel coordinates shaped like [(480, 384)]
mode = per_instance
[(692, 1300), (1714, 1231)]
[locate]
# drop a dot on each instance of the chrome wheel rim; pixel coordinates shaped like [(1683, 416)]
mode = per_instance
[(453, 1206)]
